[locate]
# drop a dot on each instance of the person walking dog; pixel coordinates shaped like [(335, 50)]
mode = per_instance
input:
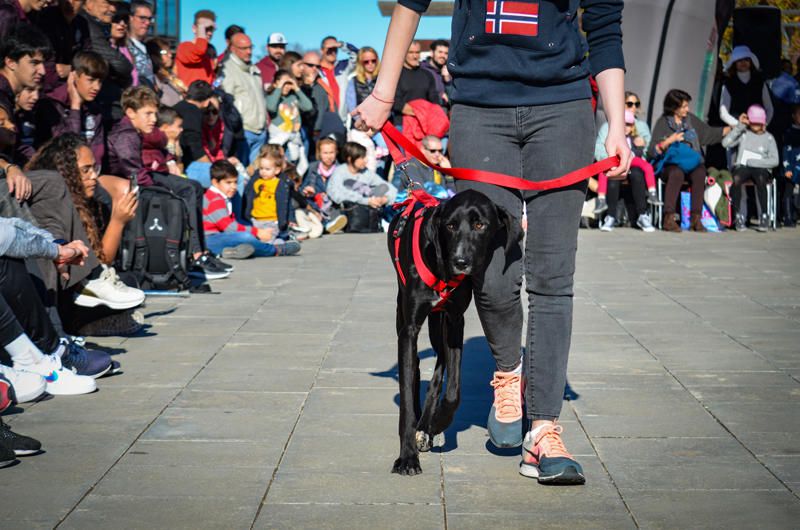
[(536, 123)]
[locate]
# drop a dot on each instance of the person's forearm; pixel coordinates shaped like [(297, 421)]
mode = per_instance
[(401, 31), (611, 83), (111, 240)]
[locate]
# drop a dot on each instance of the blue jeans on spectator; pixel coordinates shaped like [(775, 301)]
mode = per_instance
[(253, 141), (217, 242), (536, 143)]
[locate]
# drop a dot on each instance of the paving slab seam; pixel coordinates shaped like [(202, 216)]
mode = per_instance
[(149, 424), (605, 468), (300, 414), (686, 389), (722, 331)]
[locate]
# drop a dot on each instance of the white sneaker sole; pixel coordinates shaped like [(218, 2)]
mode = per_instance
[(32, 394), (56, 391), (85, 300), (528, 470)]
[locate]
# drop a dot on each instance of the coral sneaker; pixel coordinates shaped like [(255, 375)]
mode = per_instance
[(545, 458), (505, 417)]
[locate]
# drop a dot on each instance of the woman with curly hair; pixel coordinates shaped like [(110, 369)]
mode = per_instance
[(103, 222), (73, 159)]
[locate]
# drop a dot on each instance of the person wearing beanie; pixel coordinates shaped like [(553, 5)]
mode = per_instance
[(744, 85), (756, 156)]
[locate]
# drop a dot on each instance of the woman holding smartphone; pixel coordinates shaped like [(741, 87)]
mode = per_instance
[(522, 106)]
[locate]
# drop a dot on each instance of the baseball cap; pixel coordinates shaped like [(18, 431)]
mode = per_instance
[(276, 39)]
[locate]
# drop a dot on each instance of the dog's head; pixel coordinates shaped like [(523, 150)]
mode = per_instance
[(466, 229)]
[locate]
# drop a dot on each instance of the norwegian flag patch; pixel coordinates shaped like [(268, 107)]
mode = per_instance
[(512, 18)]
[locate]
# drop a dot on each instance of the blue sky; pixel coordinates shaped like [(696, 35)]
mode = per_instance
[(305, 22)]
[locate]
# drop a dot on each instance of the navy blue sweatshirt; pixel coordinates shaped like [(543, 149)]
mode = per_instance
[(497, 63)]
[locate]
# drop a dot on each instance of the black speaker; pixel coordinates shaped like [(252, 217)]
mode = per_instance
[(759, 28)]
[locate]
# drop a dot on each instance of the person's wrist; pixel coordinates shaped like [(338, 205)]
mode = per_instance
[(382, 100)]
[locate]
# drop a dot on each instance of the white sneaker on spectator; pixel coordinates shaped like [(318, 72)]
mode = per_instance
[(27, 385), (109, 290), (60, 381), (645, 223), (336, 224), (608, 224)]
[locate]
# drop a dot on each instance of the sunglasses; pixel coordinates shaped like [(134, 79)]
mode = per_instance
[(312, 65), (631, 104), (369, 61), (434, 150), (331, 50)]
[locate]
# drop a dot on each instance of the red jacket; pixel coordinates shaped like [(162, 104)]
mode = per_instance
[(428, 119), (192, 62), (154, 151)]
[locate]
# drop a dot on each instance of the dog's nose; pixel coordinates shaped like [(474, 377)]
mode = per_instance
[(461, 263)]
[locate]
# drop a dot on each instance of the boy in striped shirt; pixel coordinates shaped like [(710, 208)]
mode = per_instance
[(225, 235)]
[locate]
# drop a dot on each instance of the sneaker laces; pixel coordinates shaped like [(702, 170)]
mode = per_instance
[(549, 438), (507, 395), (114, 279)]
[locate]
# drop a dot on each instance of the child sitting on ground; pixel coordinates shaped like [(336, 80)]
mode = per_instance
[(756, 155), (353, 183), (315, 185), (267, 195), (637, 146), (224, 234), (306, 212)]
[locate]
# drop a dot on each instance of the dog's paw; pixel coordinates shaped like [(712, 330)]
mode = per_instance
[(407, 466), (426, 442)]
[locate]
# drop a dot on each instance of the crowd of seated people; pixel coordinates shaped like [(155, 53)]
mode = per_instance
[(96, 111)]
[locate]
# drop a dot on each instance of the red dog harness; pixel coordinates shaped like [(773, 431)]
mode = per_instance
[(418, 201), (412, 212)]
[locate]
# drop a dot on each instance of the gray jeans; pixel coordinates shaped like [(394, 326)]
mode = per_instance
[(538, 143)]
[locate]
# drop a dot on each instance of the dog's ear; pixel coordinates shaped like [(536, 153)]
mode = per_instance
[(431, 230), (511, 226)]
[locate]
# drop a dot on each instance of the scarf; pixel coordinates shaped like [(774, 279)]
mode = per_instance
[(214, 135)]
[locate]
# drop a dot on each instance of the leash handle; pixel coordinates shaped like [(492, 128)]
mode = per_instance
[(395, 137)]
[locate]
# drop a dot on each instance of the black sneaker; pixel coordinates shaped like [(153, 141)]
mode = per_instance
[(600, 205), (18, 444), (7, 456), (739, 224), (221, 264), (652, 198), (204, 268), (94, 363)]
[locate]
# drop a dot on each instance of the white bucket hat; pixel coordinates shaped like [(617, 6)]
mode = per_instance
[(739, 53)]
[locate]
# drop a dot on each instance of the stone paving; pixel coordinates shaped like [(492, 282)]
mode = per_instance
[(273, 404)]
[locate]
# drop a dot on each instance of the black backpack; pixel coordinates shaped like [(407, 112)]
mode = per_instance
[(155, 243)]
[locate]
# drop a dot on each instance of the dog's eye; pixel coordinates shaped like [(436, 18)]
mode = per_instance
[(451, 227), (479, 226)]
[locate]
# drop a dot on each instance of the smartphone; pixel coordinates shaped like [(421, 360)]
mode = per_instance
[(134, 187)]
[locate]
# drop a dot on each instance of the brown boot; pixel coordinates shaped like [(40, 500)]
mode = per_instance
[(669, 224), (695, 224)]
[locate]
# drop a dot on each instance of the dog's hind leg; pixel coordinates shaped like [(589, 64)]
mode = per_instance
[(436, 333)]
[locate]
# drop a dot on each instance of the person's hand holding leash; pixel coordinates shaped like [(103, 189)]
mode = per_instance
[(617, 144), (372, 114)]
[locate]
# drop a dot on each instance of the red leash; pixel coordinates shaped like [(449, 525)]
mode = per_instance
[(420, 197), (391, 134)]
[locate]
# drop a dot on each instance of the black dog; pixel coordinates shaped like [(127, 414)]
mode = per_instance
[(457, 238)]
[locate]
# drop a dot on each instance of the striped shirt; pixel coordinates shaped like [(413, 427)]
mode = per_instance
[(218, 214)]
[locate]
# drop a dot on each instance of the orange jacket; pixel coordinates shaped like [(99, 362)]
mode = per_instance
[(193, 63)]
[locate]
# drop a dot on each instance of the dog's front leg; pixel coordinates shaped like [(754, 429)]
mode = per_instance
[(453, 348), (408, 364)]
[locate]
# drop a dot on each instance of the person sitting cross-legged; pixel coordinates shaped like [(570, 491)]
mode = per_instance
[(226, 236)]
